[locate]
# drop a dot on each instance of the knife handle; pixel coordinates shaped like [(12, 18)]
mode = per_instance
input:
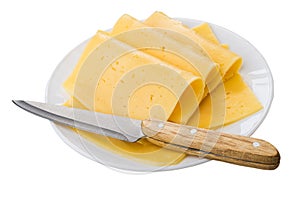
[(235, 149)]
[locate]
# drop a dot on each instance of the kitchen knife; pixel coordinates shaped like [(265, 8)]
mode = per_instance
[(210, 144)]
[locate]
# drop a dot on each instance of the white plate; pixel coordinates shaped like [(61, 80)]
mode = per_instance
[(255, 72)]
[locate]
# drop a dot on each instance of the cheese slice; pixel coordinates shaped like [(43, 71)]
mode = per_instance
[(136, 85), (229, 62), (206, 32), (239, 102), (230, 102), (141, 151), (168, 45), (109, 85)]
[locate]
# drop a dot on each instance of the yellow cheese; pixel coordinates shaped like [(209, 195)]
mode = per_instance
[(239, 100), (170, 46), (225, 46), (107, 85), (229, 102), (142, 150), (206, 32), (136, 85), (229, 62), (122, 86)]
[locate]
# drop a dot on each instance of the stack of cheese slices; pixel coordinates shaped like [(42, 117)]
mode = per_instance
[(160, 69)]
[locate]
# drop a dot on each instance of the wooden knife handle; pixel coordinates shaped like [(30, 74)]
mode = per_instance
[(235, 149)]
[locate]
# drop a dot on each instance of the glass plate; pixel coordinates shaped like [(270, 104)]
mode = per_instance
[(255, 72)]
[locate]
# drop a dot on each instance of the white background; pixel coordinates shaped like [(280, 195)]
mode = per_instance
[(35, 163)]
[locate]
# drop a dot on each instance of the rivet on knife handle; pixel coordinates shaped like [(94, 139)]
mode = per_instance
[(235, 149)]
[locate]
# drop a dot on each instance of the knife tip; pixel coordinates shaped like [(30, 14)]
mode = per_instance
[(17, 102)]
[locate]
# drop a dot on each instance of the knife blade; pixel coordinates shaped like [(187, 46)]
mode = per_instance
[(115, 126), (235, 149)]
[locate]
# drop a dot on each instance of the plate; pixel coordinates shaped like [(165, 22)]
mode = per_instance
[(255, 72)]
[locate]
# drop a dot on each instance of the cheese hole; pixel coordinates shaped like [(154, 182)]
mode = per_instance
[(151, 98)]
